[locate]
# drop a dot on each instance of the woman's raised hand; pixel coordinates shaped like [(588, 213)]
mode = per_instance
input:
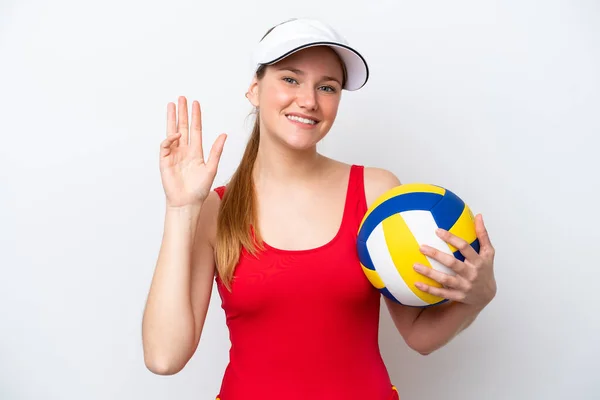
[(186, 176)]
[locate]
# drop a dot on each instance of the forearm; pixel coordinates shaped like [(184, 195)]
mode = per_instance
[(168, 323), (438, 325)]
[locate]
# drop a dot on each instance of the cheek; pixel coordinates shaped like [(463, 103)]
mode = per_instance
[(329, 108), (276, 99), (282, 99)]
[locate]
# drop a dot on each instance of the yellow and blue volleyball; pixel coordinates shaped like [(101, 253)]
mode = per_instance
[(397, 224)]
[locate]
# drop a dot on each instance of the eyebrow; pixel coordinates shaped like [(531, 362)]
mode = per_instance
[(300, 72)]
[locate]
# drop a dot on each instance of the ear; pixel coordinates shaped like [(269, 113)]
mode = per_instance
[(253, 91)]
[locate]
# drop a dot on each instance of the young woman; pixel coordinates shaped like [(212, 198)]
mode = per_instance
[(280, 240)]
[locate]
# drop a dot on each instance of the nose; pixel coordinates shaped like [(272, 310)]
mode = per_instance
[(306, 98)]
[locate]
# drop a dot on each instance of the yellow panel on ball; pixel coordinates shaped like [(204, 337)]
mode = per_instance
[(464, 227), (373, 277), (404, 250)]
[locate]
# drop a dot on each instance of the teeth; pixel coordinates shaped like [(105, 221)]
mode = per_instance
[(303, 120)]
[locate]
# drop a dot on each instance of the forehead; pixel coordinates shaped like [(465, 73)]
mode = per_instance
[(318, 59)]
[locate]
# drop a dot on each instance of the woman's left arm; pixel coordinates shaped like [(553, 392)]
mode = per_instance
[(470, 290)]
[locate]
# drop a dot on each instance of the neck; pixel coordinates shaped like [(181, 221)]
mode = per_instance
[(282, 166)]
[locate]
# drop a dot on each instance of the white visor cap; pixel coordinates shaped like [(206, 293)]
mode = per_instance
[(301, 33)]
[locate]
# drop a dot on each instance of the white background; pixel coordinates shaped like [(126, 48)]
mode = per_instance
[(497, 101)]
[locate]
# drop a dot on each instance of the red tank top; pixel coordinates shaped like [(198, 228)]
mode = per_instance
[(303, 324)]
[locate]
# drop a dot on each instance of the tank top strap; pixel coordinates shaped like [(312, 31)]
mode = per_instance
[(220, 191), (356, 200)]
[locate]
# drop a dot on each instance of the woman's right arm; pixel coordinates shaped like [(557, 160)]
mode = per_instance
[(181, 286)]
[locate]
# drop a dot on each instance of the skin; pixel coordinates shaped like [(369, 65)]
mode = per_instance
[(291, 177)]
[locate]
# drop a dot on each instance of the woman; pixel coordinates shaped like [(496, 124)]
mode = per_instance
[(280, 240)]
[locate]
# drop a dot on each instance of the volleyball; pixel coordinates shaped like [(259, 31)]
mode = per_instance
[(397, 224)]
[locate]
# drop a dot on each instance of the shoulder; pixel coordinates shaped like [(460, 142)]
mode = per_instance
[(209, 214), (377, 182)]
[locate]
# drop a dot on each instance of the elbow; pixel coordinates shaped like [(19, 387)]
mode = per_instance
[(424, 351), (423, 348), (163, 367), (165, 356), (160, 363)]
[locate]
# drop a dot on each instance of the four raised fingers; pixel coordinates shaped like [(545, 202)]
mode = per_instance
[(178, 132)]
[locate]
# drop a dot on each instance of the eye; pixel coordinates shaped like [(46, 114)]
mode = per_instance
[(330, 89), (290, 80)]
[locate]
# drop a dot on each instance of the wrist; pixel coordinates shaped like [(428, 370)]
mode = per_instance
[(475, 308), (183, 211)]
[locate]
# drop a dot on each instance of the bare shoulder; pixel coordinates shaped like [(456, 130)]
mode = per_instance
[(377, 182)]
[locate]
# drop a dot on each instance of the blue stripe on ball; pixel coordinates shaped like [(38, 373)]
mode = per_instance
[(475, 245), (448, 210), (363, 255), (405, 202), (387, 294)]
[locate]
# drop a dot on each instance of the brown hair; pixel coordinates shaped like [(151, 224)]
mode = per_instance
[(237, 214)]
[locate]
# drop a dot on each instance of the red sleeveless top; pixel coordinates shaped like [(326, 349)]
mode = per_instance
[(303, 324)]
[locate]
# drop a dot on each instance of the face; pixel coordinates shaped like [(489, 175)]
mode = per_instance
[(298, 97)]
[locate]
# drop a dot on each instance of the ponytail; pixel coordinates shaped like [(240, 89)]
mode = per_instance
[(236, 223)]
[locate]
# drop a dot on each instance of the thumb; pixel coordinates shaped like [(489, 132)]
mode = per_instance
[(482, 233)]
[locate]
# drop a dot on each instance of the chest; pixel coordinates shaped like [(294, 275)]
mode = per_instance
[(301, 221), (328, 278)]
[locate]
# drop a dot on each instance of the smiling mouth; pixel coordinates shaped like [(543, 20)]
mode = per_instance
[(307, 121)]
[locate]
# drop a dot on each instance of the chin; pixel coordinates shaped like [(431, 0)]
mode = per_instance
[(302, 140)]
